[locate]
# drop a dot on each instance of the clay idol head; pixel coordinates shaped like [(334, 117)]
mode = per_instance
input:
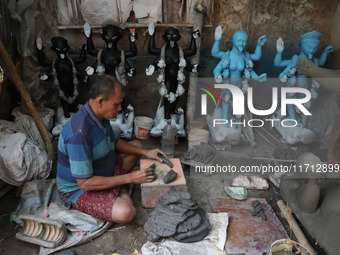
[(171, 35), (111, 35), (310, 43), (239, 40), (60, 46)]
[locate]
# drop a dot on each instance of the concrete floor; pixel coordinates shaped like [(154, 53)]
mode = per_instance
[(124, 239)]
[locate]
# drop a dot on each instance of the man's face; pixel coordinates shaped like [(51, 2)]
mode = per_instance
[(112, 106)]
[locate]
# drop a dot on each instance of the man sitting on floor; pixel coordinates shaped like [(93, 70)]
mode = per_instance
[(94, 165)]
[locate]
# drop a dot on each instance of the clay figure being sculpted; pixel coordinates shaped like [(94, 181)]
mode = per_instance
[(171, 60), (63, 70)]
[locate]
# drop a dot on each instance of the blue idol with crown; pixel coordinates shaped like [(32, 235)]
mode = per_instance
[(308, 46)]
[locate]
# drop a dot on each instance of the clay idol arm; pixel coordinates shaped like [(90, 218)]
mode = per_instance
[(218, 70), (155, 62), (215, 50), (152, 46), (258, 51), (192, 49), (133, 49), (90, 46), (82, 55), (41, 55), (324, 55), (131, 72), (153, 67), (278, 62), (255, 76)]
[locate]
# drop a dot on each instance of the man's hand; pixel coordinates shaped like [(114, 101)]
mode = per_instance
[(152, 154), (142, 176), (305, 66)]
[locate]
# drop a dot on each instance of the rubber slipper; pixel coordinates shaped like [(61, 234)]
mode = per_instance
[(238, 193)]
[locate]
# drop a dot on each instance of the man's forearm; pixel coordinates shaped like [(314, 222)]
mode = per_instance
[(334, 147), (125, 147), (96, 183)]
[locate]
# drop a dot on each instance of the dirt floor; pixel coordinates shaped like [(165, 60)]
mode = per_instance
[(124, 239)]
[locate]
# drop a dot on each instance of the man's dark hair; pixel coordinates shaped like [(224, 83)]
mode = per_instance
[(103, 85)]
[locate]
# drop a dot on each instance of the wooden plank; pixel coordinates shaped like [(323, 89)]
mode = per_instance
[(127, 25), (249, 234), (165, 11), (191, 101)]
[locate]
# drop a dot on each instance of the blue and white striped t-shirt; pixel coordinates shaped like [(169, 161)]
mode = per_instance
[(86, 148)]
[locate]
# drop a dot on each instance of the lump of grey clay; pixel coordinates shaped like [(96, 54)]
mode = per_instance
[(190, 223), (170, 176), (176, 215), (174, 197), (153, 167), (196, 234)]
